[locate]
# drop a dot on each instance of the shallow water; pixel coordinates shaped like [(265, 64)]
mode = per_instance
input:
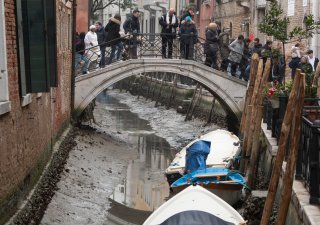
[(144, 187)]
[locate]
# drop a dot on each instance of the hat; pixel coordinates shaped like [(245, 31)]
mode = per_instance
[(92, 26), (188, 18), (135, 10)]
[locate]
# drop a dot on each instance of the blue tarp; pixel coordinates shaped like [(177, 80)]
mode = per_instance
[(197, 155)]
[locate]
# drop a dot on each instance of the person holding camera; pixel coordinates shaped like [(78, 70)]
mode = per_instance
[(132, 27), (169, 24)]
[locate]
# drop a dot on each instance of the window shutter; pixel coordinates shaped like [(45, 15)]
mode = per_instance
[(37, 46), (50, 16)]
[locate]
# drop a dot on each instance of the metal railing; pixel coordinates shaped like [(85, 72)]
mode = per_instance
[(308, 162), (146, 46)]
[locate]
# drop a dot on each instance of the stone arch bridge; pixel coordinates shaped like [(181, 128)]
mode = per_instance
[(230, 91)]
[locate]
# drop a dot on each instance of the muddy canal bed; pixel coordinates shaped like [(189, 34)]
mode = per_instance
[(115, 174)]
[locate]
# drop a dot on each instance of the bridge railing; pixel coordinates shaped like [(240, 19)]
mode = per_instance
[(147, 46)]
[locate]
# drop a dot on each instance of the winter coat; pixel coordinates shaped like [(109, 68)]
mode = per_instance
[(113, 32), (188, 33), (211, 45), (256, 49), (168, 28), (102, 36), (92, 51), (132, 25), (224, 42), (236, 51), (80, 46)]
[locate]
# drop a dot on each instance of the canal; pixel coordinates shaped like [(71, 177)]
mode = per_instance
[(115, 175)]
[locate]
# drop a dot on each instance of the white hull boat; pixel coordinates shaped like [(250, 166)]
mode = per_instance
[(193, 206), (225, 146)]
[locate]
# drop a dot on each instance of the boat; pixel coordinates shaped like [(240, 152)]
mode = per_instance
[(225, 183), (225, 146), (193, 206)]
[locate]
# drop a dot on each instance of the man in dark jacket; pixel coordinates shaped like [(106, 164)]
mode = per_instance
[(113, 37), (211, 45), (257, 47), (169, 24), (132, 26), (101, 34)]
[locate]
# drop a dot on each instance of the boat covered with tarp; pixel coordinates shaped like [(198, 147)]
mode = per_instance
[(224, 150), (193, 206)]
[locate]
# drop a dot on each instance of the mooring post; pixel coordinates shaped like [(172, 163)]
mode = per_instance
[(285, 129), (161, 86), (292, 158)]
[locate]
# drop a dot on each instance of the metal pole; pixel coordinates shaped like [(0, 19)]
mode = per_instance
[(119, 7)]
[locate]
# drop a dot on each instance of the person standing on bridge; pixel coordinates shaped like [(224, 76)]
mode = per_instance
[(188, 37), (211, 45), (113, 37), (224, 42), (132, 27), (92, 48), (236, 52), (169, 24), (102, 37)]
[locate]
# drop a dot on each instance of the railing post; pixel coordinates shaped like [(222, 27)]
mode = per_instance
[(314, 166)]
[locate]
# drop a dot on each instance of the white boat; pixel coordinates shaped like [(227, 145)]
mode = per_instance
[(195, 205), (225, 146)]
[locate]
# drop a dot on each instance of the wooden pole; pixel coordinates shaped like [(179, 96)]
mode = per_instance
[(257, 99), (191, 103), (254, 158), (161, 86), (285, 129), (252, 109), (199, 97), (154, 86), (212, 109), (292, 158), (174, 86), (253, 74)]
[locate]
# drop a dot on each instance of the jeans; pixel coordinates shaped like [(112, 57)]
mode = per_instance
[(234, 66), (78, 59), (224, 64), (102, 62), (118, 46)]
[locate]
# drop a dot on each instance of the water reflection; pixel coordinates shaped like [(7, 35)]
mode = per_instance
[(144, 187)]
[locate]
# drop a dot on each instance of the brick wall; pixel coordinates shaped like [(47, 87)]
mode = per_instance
[(27, 133), (231, 12)]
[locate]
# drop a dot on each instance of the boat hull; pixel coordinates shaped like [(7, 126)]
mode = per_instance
[(230, 193), (195, 205)]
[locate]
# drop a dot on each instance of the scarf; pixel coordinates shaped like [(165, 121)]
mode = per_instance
[(173, 19)]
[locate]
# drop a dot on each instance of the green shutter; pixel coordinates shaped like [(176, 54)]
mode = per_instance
[(37, 46), (51, 41)]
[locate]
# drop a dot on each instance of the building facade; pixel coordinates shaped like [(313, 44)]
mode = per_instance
[(35, 91)]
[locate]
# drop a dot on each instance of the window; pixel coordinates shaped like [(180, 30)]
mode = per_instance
[(4, 93), (36, 26)]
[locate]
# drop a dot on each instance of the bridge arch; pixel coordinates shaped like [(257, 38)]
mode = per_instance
[(228, 90)]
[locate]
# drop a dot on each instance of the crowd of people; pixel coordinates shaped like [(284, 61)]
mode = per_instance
[(233, 55)]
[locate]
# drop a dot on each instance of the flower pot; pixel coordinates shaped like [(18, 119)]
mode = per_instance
[(275, 102)]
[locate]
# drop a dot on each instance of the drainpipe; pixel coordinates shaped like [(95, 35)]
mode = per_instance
[(73, 71), (315, 38)]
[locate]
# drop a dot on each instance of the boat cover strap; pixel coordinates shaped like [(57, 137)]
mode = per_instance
[(195, 217)]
